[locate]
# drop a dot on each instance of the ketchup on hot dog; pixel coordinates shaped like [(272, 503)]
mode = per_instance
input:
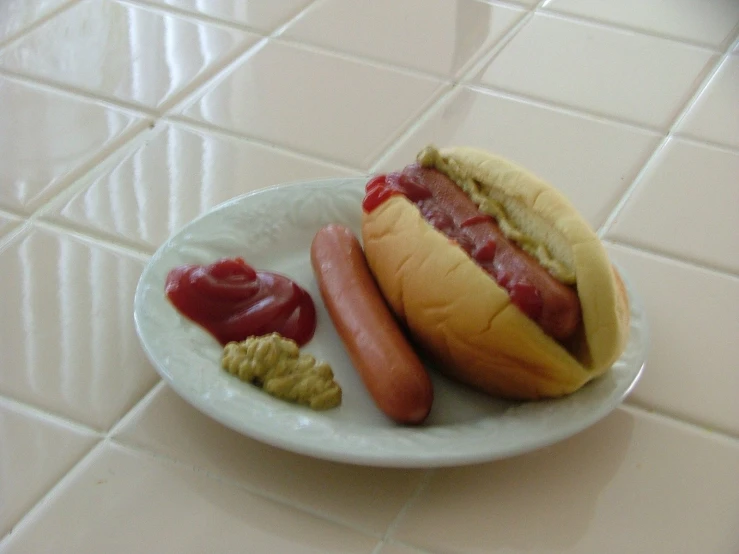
[(445, 206), (233, 301)]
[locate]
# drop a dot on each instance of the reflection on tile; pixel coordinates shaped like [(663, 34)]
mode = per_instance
[(68, 344), (715, 115), (34, 454), (600, 70), (16, 15), (42, 142), (130, 502), (704, 21), (668, 201), (124, 52), (443, 37), (630, 482), (591, 162), (264, 15), (319, 104), (686, 366), (8, 223), (177, 176), (366, 497)]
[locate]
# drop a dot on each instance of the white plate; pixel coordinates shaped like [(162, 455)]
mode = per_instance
[(272, 229)]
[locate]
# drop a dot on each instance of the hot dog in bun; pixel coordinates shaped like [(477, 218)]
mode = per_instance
[(494, 273)]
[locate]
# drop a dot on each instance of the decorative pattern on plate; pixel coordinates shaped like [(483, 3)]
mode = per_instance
[(272, 229)]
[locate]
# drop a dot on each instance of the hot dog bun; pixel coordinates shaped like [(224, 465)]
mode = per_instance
[(463, 317)]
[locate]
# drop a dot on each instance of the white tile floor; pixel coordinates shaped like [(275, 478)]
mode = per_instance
[(122, 121)]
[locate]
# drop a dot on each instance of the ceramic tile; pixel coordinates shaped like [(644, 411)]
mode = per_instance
[(319, 104), (130, 502), (8, 223), (703, 21), (687, 365), (631, 483), (124, 52), (443, 38), (191, 171), (667, 200), (604, 71), (38, 153), (399, 548), (589, 161), (264, 15), (715, 115), (35, 453), (365, 497), (16, 15), (70, 345)]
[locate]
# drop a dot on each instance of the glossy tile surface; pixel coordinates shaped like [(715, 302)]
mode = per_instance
[(16, 15), (124, 52), (174, 177), (160, 503), (39, 155), (683, 372), (123, 120), (708, 22), (707, 213), (599, 70), (438, 36), (591, 162), (263, 15), (69, 346), (8, 223), (708, 120), (632, 469), (34, 455), (363, 497), (318, 104)]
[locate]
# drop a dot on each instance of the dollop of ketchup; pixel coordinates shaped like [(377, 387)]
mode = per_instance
[(233, 301), (501, 268)]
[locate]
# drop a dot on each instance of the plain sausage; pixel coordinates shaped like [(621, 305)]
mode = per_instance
[(387, 364)]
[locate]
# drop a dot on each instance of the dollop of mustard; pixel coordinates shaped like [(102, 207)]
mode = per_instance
[(276, 365)]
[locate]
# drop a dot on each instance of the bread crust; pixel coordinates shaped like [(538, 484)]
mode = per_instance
[(466, 320)]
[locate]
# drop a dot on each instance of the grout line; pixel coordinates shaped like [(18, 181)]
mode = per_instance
[(61, 89), (50, 85), (555, 106), (371, 61), (684, 424), (263, 494), (402, 137), (651, 160), (226, 69), (219, 74), (90, 238), (209, 76), (192, 16), (24, 31), (706, 143), (204, 126), (140, 405), (623, 27), (47, 416), (425, 480), (664, 256), (27, 518), (311, 5), (210, 127)]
